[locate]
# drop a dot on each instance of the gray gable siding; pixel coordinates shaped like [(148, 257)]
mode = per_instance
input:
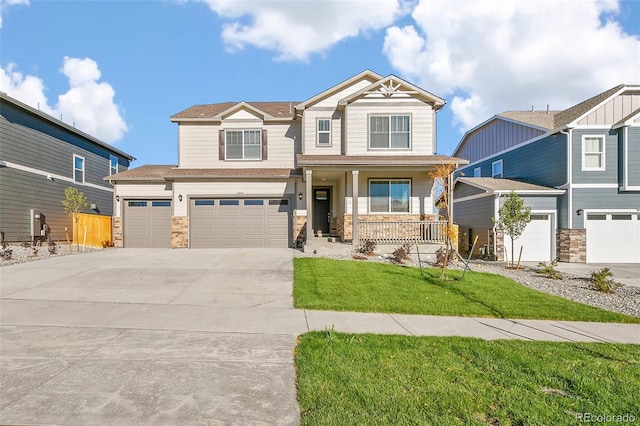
[(633, 153), (542, 162), (602, 199), (536, 202), (610, 174), (464, 190), (494, 137)]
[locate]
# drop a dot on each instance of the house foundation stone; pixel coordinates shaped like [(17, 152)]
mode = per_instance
[(179, 232), (117, 232), (572, 245)]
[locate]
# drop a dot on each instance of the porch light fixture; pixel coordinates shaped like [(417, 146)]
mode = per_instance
[(300, 196), (180, 197), (579, 212), (117, 198)]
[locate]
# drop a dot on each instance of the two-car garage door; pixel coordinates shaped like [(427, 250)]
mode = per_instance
[(239, 222)]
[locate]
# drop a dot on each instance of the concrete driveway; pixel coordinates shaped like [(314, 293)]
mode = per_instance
[(150, 336)]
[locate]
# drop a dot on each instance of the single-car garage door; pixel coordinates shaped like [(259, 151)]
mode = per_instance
[(535, 240), (240, 222), (613, 238), (147, 223)]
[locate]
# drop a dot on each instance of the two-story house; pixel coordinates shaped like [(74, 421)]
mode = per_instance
[(578, 170), (351, 162), (40, 156)]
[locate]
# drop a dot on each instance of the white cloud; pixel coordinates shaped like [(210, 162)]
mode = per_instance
[(501, 55), (6, 3), (296, 29), (88, 105)]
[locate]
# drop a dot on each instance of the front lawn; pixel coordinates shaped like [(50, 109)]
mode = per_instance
[(373, 380), (343, 285)]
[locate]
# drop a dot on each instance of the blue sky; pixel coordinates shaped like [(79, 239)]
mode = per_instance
[(119, 69)]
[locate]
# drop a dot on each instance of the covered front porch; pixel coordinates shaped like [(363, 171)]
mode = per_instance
[(377, 201)]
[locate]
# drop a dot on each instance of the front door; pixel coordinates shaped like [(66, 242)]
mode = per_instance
[(321, 210)]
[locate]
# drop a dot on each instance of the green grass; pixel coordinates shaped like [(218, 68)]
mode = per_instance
[(339, 285), (373, 380)]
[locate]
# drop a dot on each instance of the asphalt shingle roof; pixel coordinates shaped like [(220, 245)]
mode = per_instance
[(500, 184), (274, 109)]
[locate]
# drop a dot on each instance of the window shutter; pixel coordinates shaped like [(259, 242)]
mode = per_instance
[(264, 144), (221, 145)]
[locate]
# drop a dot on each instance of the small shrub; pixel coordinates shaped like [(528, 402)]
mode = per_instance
[(602, 280), (549, 270), (367, 247), (52, 247), (401, 253), (107, 244), (6, 252)]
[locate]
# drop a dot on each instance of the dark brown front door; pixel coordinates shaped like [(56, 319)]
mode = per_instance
[(321, 210)]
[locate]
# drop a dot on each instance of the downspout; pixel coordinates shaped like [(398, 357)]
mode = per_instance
[(569, 183)]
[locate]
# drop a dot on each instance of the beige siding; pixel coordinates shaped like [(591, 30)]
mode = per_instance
[(421, 190), (613, 111), (311, 117), (139, 191), (357, 126), (332, 100), (231, 189), (198, 145)]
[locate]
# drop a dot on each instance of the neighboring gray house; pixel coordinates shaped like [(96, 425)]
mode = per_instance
[(585, 165), (40, 157), (350, 162)]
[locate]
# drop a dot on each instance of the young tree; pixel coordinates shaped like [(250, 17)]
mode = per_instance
[(442, 176), (74, 203), (513, 218)]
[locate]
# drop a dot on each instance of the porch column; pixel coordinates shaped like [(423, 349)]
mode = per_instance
[(355, 239), (309, 193)]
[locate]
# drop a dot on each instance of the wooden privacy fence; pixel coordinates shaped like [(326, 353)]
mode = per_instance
[(96, 228)]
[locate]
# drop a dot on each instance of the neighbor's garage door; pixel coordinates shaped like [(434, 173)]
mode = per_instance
[(613, 237), (239, 223), (535, 240), (147, 223)]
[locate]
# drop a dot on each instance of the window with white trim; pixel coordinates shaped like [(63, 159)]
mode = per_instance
[(496, 169), (389, 195), (78, 168), (477, 172), (390, 132), (324, 132), (243, 145), (113, 165), (593, 153)]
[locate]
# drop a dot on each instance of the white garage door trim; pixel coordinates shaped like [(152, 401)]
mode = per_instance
[(613, 236), (227, 222), (537, 239)]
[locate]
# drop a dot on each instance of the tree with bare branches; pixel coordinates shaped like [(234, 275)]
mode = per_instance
[(442, 176)]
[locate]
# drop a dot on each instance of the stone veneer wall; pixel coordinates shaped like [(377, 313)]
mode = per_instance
[(299, 223), (117, 232), (179, 232), (344, 222), (572, 245), (499, 245)]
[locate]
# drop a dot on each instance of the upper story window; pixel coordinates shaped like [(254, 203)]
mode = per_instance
[(78, 168), (496, 169), (324, 132), (593, 153), (243, 145), (477, 172), (390, 132), (389, 195), (113, 165)]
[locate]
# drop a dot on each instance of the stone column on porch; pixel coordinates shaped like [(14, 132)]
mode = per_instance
[(354, 208), (309, 193)]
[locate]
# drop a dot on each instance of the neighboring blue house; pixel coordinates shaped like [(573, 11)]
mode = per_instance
[(584, 165), (40, 156)]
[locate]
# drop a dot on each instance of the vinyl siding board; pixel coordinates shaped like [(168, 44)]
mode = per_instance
[(602, 199), (542, 162), (612, 111), (610, 174), (536, 202), (633, 155), (464, 190), (21, 191), (357, 126), (495, 137), (474, 214), (332, 100), (199, 145), (311, 117)]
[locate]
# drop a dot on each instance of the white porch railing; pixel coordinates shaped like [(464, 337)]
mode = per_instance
[(420, 232)]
